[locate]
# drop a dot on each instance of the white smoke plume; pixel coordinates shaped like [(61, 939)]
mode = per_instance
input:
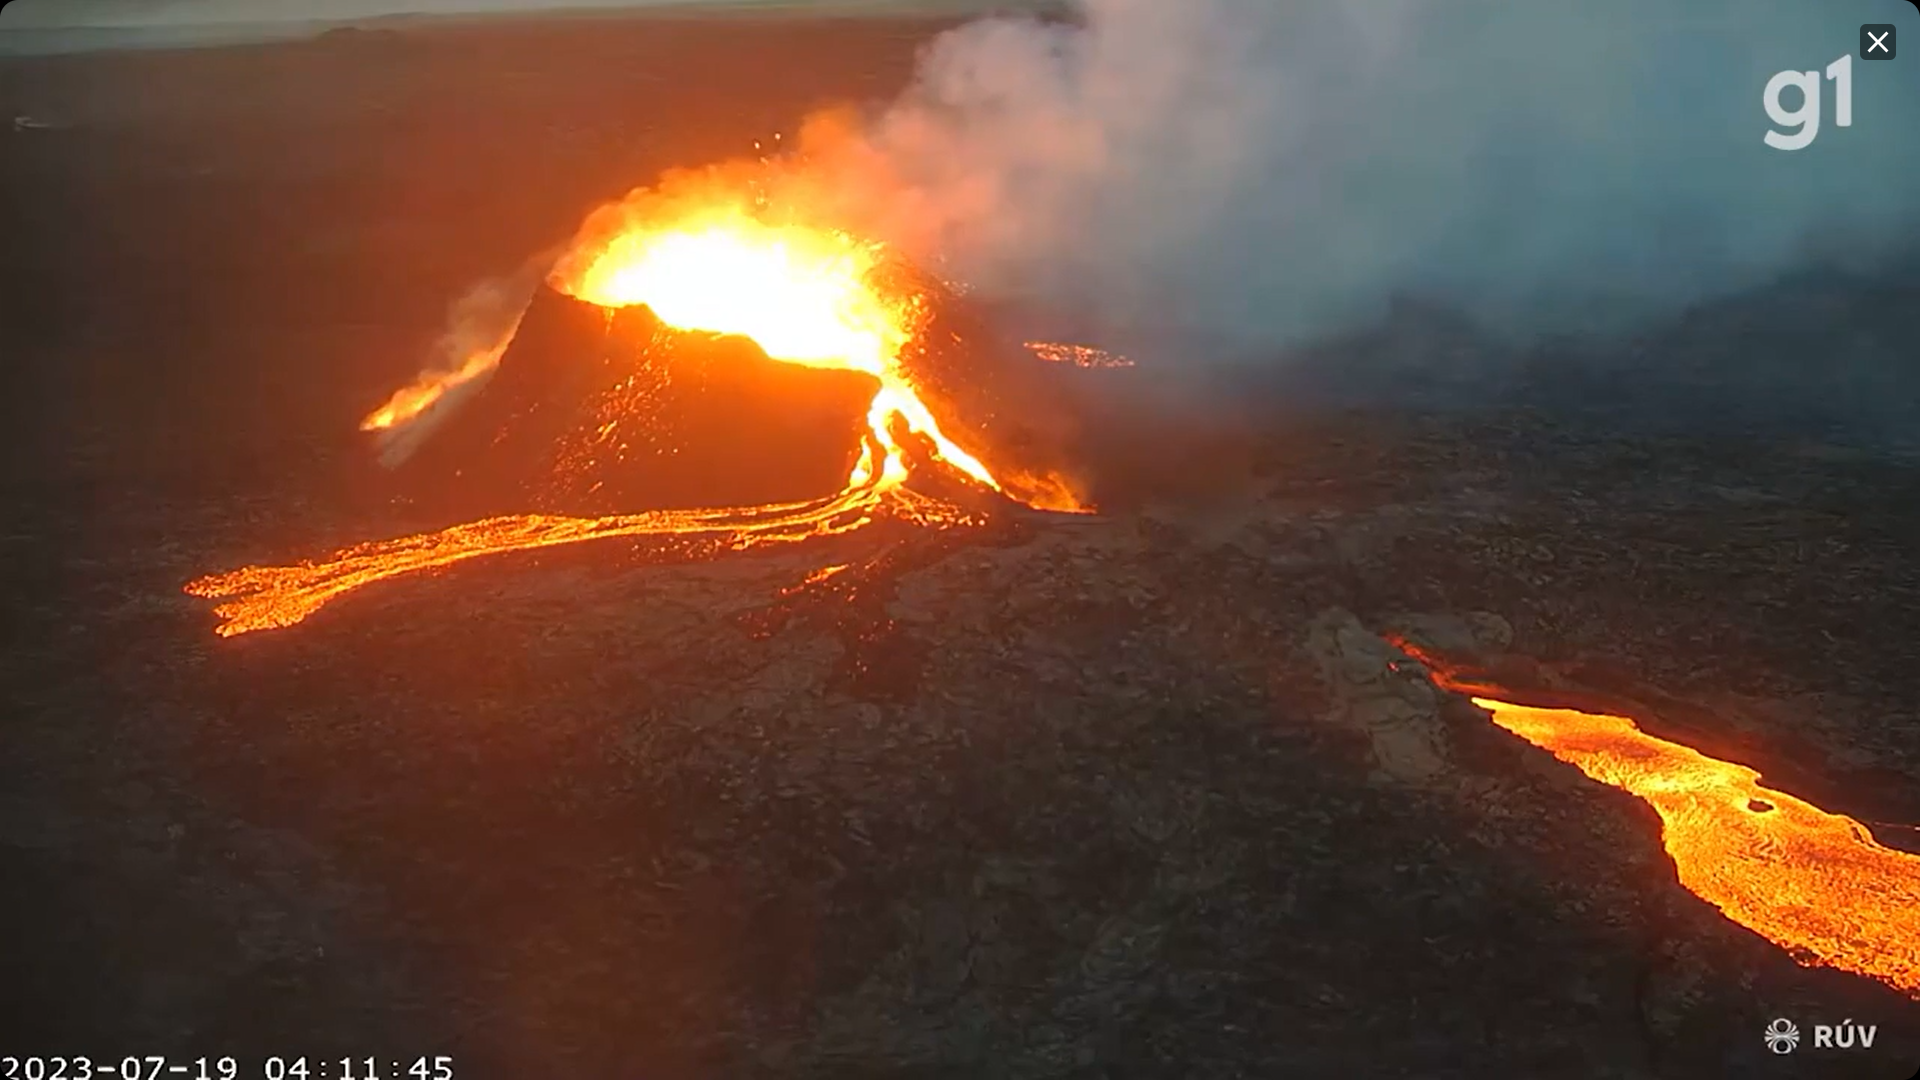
[(1277, 169)]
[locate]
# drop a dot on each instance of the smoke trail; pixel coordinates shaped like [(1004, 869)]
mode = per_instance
[(1273, 170), (480, 326)]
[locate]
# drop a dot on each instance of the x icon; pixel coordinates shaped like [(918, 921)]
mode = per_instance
[(1877, 41)]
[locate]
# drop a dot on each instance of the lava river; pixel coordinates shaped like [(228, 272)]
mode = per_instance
[(1814, 883)]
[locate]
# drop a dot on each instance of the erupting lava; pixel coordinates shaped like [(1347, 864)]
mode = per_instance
[(1814, 883), (805, 295)]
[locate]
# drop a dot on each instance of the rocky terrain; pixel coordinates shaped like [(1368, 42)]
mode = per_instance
[(1142, 794), (1049, 797)]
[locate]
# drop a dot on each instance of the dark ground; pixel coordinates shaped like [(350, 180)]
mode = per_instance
[(1061, 800)]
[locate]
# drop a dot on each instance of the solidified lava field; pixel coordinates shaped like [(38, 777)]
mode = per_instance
[(1146, 793)]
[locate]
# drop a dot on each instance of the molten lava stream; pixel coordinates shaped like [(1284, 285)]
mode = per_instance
[(1814, 883)]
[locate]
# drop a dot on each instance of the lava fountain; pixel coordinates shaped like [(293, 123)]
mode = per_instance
[(715, 264), (804, 295), (1814, 883)]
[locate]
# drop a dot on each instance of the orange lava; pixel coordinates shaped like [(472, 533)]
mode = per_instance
[(417, 397), (1814, 883), (1078, 355), (804, 295), (270, 597), (701, 260)]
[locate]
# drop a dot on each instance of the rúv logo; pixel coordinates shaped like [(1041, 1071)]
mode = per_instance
[(1782, 1036)]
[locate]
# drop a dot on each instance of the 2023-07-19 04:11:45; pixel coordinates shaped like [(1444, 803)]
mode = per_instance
[(157, 1066)]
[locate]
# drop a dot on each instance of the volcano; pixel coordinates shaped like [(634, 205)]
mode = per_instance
[(699, 374), (593, 408), (597, 411)]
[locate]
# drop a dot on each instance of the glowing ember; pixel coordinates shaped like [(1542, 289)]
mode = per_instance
[(804, 295), (1814, 883), (817, 576), (1078, 355)]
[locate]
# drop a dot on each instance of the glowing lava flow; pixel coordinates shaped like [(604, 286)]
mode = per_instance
[(269, 597), (804, 295), (1814, 883)]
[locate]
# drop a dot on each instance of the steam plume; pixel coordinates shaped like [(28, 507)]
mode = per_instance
[(1275, 169)]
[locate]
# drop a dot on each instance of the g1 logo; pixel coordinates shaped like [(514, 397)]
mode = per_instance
[(1803, 123)]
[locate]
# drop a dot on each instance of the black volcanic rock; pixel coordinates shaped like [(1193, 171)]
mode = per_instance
[(595, 411)]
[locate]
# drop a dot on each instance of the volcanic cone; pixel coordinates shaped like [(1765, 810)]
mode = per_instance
[(597, 410)]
